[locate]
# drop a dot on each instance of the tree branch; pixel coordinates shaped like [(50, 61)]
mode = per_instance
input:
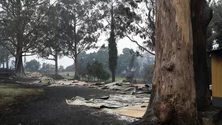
[(134, 41), (29, 55)]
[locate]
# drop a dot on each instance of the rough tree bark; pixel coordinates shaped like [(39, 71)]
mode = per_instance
[(19, 68), (201, 16), (3, 64), (75, 51), (56, 62), (173, 99), (7, 62), (76, 77)]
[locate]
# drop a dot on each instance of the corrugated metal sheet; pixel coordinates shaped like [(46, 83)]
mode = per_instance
[(216, 64)]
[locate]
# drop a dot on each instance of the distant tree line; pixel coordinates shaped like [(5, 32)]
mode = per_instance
[(130, 65)]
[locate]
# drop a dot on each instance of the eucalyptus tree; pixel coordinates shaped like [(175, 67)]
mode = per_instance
[(80, 24), (181, 26), (52, 44), (20, 22), (146, 31), (103, 56)]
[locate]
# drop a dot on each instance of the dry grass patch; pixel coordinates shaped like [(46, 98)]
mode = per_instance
[(11, 94)]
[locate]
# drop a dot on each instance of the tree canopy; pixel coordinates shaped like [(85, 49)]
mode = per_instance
[(32, 65)]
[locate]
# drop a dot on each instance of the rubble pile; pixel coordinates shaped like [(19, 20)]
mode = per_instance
[(131, 107), (33, 74), (130, 102), (117, 87), (122, 87), (112, 101), (44, 81)]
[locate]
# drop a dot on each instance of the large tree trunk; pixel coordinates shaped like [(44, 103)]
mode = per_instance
[(76, 68), (19, 69), (173, 98), (75, 51), (56, 63), (7, 62), (202, 15), (3, 64)]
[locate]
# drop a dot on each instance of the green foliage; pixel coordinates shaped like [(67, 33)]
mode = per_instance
[(90, 70), (47, 68), (32, 65), (61, 68), (101, 56), (96, 70), (112, 56), (133, 18), (80, 22), (51, 42), (70, 68), (112, 48), (84, 59), (127, 62), (121, 16), (105, 75), (148, 74)]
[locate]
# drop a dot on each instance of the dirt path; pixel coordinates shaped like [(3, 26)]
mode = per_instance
[(53, 110)]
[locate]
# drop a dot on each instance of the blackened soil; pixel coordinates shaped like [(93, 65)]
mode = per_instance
[(53, 110)]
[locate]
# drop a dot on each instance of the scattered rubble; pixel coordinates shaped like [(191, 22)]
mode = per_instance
[(114, 101), (136, 111), (125, 105), (118, 87), (47, 80), (44, 81), (120, 116), (122, 87), (75, 81), (129, 103), (34, 75)]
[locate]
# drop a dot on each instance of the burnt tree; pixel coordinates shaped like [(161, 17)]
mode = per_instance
[(201, 16)]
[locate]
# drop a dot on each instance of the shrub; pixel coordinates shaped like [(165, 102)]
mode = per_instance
[(96, 70)]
